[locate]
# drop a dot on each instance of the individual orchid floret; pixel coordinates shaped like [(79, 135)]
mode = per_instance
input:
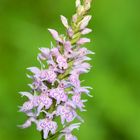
[(78, 102), (67, 113), (55, 52), (45, 53), (67, 46), (55, 35), (62, 62), (68, 52), (48, 75), (74, 79), (59, 95), (51, 76), (56, 89), (46, 125), (44, 101)]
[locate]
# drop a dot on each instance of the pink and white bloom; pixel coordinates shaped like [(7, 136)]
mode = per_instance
[(59, 95), (55, 35), (46, 125), (44, 101), (66, 113), (78, 102), (48, 74), (74, 79), (45, 53), (62, 62)]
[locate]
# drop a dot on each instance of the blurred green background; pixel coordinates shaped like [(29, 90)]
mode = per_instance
[(114, 112)]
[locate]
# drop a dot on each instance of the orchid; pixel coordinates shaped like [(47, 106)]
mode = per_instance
[(56, 90)]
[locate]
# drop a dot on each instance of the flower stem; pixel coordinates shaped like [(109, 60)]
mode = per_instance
[(52, 137), (42, 138)]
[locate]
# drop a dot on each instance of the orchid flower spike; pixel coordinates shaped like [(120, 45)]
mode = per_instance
[(56, 90)]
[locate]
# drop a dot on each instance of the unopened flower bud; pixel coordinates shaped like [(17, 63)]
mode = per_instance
[(64, 21)]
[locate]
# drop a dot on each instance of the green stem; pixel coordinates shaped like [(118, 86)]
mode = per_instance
[(42, 138), (52, 137)]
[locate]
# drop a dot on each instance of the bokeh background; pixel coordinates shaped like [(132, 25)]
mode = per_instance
[(114, 112)]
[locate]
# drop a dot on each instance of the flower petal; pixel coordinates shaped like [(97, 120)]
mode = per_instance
[(85, 21), (34, 70), (86, 31), (78, 3), (64, 21), (27, 94), (55, 35), (46, 132), (45, 53), (28, 123), (82, 41)]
